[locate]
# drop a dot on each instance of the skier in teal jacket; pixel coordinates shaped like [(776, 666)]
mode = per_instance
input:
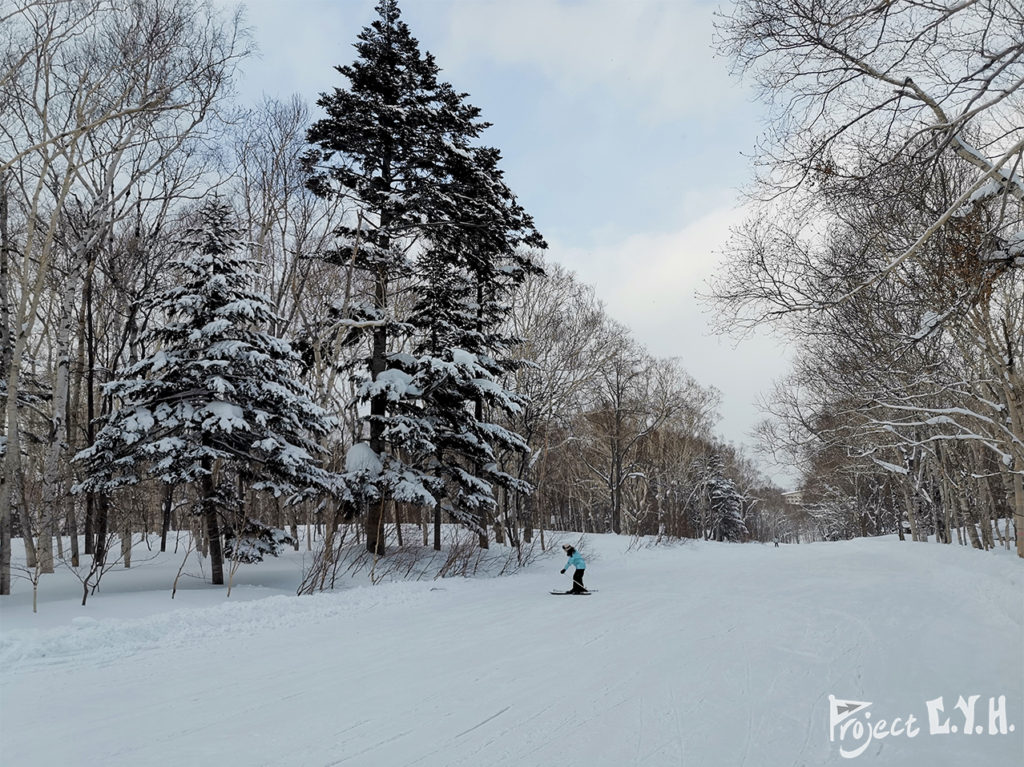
[(575, 560)]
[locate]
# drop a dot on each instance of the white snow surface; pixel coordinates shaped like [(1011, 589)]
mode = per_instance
[(697, 654)]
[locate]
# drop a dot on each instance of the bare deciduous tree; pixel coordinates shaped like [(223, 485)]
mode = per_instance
[(107, 93), (856, 87)]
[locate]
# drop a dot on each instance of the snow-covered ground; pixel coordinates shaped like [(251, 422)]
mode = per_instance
[(699, 654)]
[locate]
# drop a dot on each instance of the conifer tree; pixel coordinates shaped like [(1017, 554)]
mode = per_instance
[(218, 401), (376, 148), (469, 269), (725, 502), (433, 213)]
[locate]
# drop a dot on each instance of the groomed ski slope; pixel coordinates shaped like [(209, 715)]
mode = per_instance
[(701, 654)]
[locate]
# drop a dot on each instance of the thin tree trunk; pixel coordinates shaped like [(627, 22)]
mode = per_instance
[(988, 510), (53, 492), (72, 524), (126, 545), (75, 426), (378, 409), (616, 480), (530, 500), (202, 540), (375, 543), (1014, 397), (89, 533), (212, 524), (478, 414), (5, 537), (437, 525), (1018, 510), (398, 523), (935, 512), (102, 514), (294, 523), (526, 507), (91, 510), (165, 524), (9, 401), (972, 530), (328, 557), (1007, 480), (11, 492), (501, 520), (910, 500), (31, 555)]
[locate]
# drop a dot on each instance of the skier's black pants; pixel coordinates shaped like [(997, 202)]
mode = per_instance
[(577, 581)]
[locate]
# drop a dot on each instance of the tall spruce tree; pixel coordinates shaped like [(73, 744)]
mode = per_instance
[(433, 213), (218, 402), (725, 502), (468, 270)]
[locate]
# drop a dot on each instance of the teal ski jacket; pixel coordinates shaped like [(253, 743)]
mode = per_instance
[(576, 561)]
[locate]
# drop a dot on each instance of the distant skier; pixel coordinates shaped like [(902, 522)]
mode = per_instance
[(776, 541), (575, 560)]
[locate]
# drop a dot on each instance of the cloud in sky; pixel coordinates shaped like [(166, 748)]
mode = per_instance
[(299, 42), (653, 55), (615, 116), (649, 282)]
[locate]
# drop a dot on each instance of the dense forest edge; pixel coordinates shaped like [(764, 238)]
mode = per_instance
[(247, 321)]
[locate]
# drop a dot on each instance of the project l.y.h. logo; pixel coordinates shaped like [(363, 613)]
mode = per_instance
[(854, 728)]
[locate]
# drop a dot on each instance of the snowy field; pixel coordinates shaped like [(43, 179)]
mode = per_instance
[(699, 654)]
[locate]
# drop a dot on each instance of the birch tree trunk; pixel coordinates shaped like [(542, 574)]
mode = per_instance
[(969, 522), (5, 357), (1015, 404), (1018, 508), (53, 490)]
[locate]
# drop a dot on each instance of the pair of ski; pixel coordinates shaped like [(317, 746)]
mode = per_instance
[(586, 593)]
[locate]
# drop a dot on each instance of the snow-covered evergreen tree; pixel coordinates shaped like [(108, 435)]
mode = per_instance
[(471, 265), (218, 401), (434, 213), (377, 148), (725, 503)]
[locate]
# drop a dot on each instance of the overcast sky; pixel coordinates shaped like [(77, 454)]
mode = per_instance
[(623, 134)]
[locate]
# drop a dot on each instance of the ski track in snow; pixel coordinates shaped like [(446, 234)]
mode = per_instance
[(698, 654)]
